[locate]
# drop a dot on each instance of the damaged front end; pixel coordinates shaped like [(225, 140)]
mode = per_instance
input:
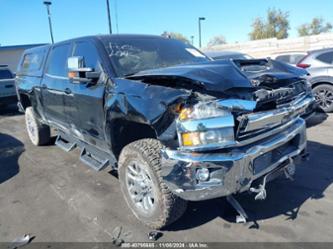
[(227, 145)]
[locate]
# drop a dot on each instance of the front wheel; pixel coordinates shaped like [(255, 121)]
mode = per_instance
[(143, 188), (324, 96), (39, 133)]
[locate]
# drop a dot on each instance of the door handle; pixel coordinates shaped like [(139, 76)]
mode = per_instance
[(68, 91)]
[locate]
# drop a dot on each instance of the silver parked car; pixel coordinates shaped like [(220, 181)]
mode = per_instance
[(226, 55), (291, 58), (7, 86), (319, 63)]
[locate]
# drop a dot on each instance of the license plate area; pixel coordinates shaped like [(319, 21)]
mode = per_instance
[(267, 159)]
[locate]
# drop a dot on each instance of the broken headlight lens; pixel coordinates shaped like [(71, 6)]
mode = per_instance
[(210, 137), (205, 125), (202, 110)]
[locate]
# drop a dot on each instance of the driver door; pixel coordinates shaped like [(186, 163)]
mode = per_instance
[(85, 103)]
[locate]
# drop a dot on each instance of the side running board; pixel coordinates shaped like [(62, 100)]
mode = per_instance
[(90, 155), (64, 144), (97, 162)]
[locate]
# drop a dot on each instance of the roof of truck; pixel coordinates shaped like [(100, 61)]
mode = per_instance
[(130, 36), (114, 36), (98, 37)]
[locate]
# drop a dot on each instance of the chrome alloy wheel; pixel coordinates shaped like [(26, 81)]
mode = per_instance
[(324, 98), (140, 187)]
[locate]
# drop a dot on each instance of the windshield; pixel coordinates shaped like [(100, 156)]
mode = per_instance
[(133, 55)]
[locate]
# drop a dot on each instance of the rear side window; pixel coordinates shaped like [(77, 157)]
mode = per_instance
[(283, 58), (326, 57), (296, 58), (57, 62), (5, 74), (32, 62)]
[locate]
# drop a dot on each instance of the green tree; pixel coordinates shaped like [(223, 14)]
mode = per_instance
[(258, 30), (275, 25), (316, 27), (216, 40), (175, 35)]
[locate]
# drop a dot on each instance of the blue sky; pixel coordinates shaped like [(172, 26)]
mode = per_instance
[(25, 21)]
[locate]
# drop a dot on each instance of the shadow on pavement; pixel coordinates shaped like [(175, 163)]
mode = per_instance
[(319, 117), (10, 151), (284, 197), (9, 110)]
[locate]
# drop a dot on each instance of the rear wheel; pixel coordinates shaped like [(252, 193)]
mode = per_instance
[(324, 96), (39, 133), (143, 188)]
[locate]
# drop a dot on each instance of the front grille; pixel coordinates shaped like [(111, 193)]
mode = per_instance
[(299, 89), (241, 136), (273, 117)]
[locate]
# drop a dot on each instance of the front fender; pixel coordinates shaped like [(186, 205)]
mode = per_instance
[(137, 102)]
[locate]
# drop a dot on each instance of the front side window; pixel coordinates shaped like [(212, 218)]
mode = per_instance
[(326, 57), (89, 53), (132, 55), (57, 64)]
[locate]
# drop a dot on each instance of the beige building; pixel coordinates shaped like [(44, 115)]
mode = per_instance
[(268, 47), (10, 55)]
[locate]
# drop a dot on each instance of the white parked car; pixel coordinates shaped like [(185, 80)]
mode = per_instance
[(292, 58), (7, 86)]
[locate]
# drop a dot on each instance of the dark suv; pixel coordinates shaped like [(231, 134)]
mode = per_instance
[(175, 125)]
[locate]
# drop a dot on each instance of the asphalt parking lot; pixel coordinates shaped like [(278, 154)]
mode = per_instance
[(50, 194)]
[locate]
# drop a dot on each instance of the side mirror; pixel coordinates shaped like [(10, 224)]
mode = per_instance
[(77, 64), (79, 73)]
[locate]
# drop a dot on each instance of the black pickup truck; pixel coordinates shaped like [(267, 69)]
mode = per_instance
[(174, 124)]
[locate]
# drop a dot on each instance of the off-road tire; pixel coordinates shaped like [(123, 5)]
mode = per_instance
[(39, 133), (328, 89), (169, 207)]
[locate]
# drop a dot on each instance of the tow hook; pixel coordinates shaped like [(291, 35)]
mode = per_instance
[(289, 171), (261, 190), (242, 216)]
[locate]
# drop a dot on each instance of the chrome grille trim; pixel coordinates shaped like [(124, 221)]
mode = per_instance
[(262, 122)]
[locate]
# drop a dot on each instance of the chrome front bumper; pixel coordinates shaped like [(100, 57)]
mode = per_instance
[(232, 170)]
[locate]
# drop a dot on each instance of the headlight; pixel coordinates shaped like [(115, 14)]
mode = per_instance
[(217, 136), (202, 110), (205, 125)]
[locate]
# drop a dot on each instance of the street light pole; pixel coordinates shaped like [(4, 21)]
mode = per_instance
[(47, 4), (199, 20), (109, 16)]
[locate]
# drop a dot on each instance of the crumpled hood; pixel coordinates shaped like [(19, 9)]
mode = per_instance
[(220, 75)]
